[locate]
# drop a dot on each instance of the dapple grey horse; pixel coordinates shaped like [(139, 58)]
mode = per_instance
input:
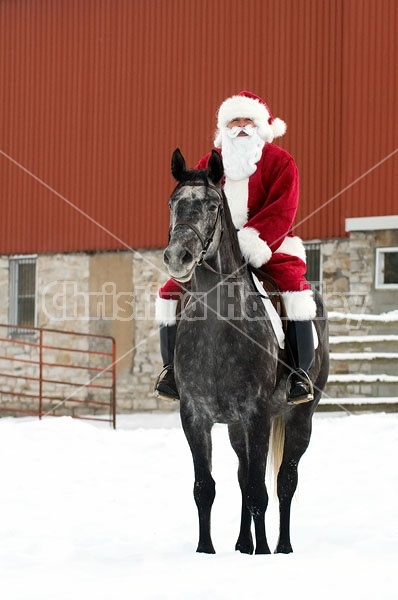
[(228, 365)]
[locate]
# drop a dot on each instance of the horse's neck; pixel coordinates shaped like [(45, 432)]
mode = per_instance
[(225, 265), (224, 287), (229, 255)]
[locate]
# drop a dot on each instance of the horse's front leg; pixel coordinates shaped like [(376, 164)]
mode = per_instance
[(256, 491), (198, 435), (237, 436)]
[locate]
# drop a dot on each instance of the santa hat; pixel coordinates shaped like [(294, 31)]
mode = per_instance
[(249, 106)]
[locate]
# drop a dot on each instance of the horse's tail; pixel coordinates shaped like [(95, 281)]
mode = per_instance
[(275, 451)]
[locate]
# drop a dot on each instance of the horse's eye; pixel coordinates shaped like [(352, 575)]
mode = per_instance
[(213, 207)]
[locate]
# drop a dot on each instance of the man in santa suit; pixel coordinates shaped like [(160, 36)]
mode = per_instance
[(262, 189)]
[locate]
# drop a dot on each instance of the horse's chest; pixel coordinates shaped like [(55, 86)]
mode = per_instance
[(215, 354), (218, 375)]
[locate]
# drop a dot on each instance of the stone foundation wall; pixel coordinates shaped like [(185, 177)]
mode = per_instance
[(335, 258), (114, 293), (349, 272), (106, 294), (4, 277)]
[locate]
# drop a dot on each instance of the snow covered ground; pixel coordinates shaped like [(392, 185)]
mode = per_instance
[(92, 513)]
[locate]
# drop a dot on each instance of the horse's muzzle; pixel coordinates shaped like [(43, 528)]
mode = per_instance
[(179, 262)]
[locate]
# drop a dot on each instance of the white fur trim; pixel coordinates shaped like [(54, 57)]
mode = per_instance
[(241, 106), (165, 311), (265, 132), (279, 127), (237, 193), (255, 251), (249, 108), (300, 306), (294, 246)]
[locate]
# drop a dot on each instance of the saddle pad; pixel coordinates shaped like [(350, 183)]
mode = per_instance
[(275, 318)]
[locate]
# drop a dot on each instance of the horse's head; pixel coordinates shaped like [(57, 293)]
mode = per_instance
[(196, 206)]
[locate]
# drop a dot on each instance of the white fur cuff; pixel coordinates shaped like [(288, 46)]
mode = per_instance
[(165, 311), (300, 306), (254, 250), (294, 246)]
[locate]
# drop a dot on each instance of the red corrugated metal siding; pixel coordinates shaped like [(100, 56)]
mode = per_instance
[(312, 96), (369, 108), (95, 95)]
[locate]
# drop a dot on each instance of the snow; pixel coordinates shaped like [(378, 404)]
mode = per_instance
[(363, 355), (362, 378), (387, 317), (339, 339), (92, 513), (359, 400)]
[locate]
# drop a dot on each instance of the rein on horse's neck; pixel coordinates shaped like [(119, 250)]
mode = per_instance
[(228, 247), (234, 272)]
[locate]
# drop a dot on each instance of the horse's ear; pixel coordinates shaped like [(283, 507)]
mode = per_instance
[(178, 166), (215, 169)]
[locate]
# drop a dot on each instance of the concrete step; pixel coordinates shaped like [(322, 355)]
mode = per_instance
[(364, 362), (378, 343), (363, 324), (362, 385), (358, 404)]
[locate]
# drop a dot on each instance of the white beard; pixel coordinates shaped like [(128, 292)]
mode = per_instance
[(240, 154)]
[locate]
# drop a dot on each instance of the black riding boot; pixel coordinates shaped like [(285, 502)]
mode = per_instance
[(301, 351), (166, 387)]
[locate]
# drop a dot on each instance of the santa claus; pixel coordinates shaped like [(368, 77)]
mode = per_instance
[(262, 187)]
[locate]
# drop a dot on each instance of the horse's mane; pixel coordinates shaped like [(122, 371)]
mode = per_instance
[(233, 235)]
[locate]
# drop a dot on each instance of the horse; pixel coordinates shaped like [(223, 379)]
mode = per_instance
[(228, 365)]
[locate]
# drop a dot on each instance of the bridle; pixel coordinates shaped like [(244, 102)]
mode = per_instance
[(206, 242)]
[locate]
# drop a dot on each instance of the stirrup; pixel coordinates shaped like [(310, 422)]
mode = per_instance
[(303, 378), (169, 392)]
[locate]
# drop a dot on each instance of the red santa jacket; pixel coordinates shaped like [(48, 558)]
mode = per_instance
[(273, 193), (263, 209)]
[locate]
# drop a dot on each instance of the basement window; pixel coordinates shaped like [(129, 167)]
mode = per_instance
[(22, 308), (386, 268), (314, 264)]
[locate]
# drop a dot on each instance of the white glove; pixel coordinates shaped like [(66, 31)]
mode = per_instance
[(254, 250)]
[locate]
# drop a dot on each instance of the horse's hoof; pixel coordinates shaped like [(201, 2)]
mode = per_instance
[(263, 550), (202, 549), (283, 549), (244, 548)]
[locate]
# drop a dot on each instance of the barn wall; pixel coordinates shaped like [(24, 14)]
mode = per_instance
[(95, 95)]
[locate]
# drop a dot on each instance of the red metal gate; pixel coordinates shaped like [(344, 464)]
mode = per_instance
[(48, 372)]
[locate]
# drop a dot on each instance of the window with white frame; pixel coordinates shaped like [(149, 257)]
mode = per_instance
[(22, 307), (386, 268)]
